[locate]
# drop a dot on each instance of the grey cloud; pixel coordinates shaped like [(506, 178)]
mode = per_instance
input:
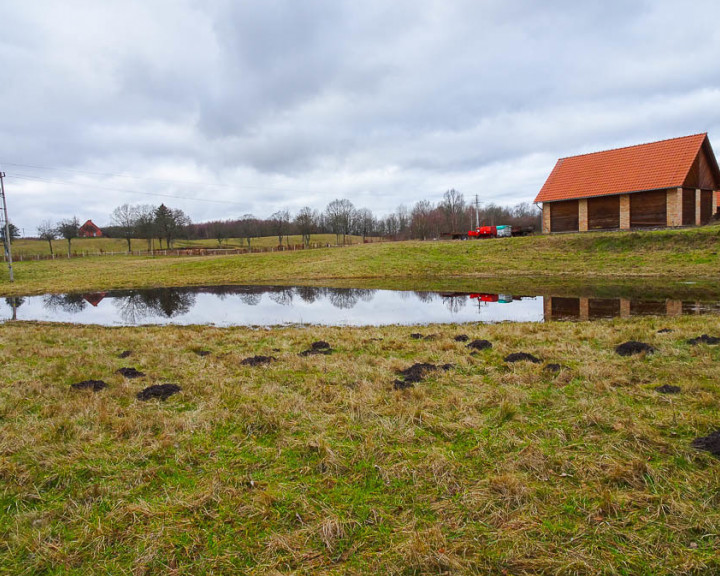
[(286, 103)]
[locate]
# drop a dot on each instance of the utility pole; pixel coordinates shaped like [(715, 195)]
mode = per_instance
[(477, 211), (8, 249)]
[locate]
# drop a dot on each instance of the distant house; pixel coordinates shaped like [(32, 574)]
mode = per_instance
[(89, 230), (668, 183)]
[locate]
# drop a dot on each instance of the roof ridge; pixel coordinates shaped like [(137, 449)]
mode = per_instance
[(634, 146)]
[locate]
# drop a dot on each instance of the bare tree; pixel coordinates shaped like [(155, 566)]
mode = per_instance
[(391, 226), (339, 215), (248, 227), (453, 207), (403, 220), (46, 231), (280, 222), (364, 222), (420, 219), (145, 224), (219, 231), (125, 217), (68, 229), (306, 223)]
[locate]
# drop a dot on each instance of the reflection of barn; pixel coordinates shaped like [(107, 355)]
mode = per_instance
[(668, 183), (94, 298), (575, 308), (89, 230)]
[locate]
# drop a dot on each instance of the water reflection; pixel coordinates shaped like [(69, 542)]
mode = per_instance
[(276, 305), (136, 306), (72, 303), (563, 308)]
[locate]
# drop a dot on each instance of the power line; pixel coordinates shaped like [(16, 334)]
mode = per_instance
[(145, 178), (124, 190)]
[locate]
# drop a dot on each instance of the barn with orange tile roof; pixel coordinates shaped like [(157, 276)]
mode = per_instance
[(673, 182)]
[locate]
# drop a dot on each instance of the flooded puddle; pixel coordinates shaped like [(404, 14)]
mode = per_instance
[(282, 305)]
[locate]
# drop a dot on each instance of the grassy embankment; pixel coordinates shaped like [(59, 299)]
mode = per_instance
[(317, 465), (665, 256)]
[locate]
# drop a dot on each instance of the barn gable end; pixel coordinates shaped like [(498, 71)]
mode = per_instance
[(89, 230)]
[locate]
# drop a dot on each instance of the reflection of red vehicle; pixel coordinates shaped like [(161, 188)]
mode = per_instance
[(483, 232), (485, 297)]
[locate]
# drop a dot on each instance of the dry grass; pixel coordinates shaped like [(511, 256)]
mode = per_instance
[(316, 465)]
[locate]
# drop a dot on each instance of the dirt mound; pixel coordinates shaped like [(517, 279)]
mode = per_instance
[(710, 443), (416, 336), (160, 391), (415, 373), (521, 357), (704, 339), (480, 345), (668, 389), (258, 360), (130, 373), (664, 331), (552, 367), (202, 352), (633, 347), (94, 385), (462, 338), (125, 354), (319, 347)]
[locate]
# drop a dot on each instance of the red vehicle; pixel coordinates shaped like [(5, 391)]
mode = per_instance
[(485, 297), (483, 232)]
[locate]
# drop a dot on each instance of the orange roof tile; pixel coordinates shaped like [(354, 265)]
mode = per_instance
[(653, 166)]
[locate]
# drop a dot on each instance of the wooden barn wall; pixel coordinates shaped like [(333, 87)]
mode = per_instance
[(648, 209), (564, 216), (648, 308), (705, 206), (565, 308), (688, 207), (603, 308), (701, 174), (603, 213)]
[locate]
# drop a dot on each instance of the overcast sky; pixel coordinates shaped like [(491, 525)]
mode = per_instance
[(228, 107)]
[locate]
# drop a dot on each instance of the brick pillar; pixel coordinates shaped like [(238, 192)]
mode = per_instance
[(584, 308), (624, 308), (547, 308), (715, 198), (698, 207), (582, 215), (674, 307), (624, 212), (674, 207), (546, 218)]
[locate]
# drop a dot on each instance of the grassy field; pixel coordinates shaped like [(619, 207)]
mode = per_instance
[(27, 248), (316, 464), (668, 255)]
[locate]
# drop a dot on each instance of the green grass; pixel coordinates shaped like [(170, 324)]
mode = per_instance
[(27, 248), (316, 465), (665, 256)]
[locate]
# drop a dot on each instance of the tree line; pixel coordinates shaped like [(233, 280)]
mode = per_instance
[(140, 221), (424, 220)]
